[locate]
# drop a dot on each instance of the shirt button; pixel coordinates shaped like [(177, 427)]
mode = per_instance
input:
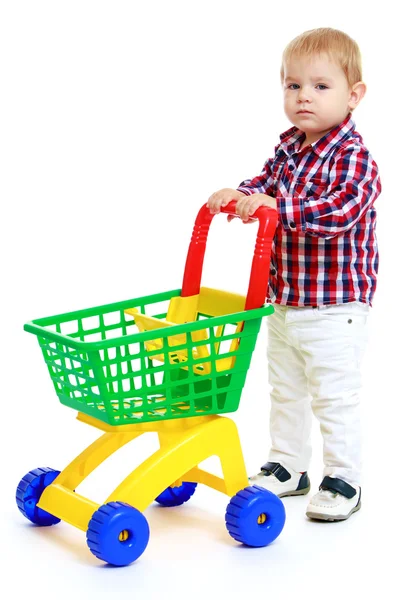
[(292, 224), (291, 167)]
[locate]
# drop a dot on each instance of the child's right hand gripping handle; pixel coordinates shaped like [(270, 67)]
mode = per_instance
[(259, 273)]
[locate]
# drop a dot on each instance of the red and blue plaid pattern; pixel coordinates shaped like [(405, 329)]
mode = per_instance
[(325, 247)]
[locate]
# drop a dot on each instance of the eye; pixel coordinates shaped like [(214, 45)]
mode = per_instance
[(293, 86), (321, 86)]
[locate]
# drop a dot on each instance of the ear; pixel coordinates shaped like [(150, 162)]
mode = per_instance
[(357, 92)]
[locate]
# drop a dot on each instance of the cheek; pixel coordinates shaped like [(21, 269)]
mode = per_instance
[(288, 102)]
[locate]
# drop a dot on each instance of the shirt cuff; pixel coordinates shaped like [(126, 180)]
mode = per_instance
[(245, 190), (291, 212)]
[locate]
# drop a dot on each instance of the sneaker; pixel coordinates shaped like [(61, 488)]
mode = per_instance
[(277, 479), (335, 501)]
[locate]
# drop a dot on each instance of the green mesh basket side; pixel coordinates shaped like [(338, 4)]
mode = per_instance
[(101, 366), (73, 376)]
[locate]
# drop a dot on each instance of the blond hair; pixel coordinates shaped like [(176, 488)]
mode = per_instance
[(337, 45)]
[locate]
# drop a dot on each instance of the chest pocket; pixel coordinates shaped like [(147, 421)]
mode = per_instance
[(310, 187)]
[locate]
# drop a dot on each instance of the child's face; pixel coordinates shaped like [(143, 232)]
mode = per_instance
[(317, 96)]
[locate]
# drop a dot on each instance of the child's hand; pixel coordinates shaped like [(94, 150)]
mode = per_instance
[(222, 198), (248, 205)]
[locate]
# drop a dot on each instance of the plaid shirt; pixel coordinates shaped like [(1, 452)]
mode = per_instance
[(325, 249)]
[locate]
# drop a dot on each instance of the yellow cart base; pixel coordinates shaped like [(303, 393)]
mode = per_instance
[(184, 444), (117, 531)]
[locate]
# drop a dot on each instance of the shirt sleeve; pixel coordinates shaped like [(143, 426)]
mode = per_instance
[(352, 187), (263, 183)]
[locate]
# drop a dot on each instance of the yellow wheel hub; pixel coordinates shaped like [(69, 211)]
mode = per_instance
[(123, 536)]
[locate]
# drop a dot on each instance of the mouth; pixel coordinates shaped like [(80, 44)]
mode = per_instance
[(304, 112)]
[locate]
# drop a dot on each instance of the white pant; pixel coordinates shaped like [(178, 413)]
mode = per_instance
[(317, 352)]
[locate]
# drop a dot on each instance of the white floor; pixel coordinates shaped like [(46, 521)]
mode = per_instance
[(191, 555)]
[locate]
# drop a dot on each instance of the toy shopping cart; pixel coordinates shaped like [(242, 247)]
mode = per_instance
[(170, 363)]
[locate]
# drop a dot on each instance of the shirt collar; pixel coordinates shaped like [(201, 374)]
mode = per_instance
[(291, 139)]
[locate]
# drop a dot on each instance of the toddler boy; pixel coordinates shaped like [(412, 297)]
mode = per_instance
[(323, 182)]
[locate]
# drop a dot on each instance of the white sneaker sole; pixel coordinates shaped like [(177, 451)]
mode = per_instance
[(327, 517)]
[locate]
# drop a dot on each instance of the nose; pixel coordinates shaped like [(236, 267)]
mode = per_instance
[(303, 95)]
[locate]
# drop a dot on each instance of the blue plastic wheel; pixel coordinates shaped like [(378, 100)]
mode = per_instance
[(255, 516), (175, 496), (28, 495), (117, 533)]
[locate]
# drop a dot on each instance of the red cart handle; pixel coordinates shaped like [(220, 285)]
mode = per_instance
[(259, 273)]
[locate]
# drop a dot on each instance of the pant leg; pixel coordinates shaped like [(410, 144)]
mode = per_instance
[(290, 412), (333, 344)]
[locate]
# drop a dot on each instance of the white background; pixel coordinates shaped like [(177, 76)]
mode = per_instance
[(118, 120)]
